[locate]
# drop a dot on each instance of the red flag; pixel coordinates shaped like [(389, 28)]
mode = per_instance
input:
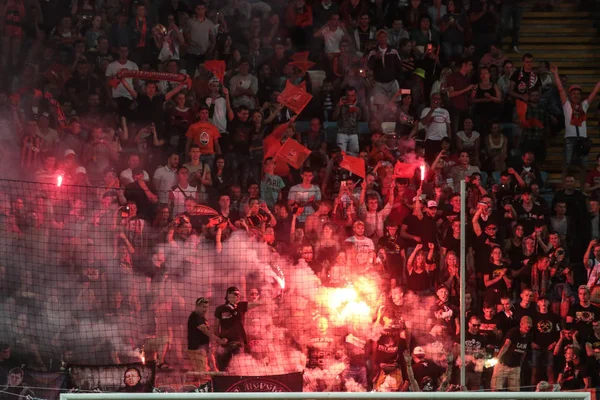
[(303, 65), (355, 165), (402, 170), (294, 98), (217, 67), (301, 56), (293, 153), (289, 84)]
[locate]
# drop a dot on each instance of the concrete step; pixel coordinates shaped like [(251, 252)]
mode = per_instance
[(559, 30), (557, 22), (565, 14), (565, 55), (542, 38), (592, 65), (566, 47)]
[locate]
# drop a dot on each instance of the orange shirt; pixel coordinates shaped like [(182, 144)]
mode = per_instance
[(204, 135)]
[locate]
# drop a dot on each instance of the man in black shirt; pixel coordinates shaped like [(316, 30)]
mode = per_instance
[(525, 308), (507, 373), (427, 373), (583, 314), (546, 332), (142, 193), (199, 335), (475, 348), (229, 324)]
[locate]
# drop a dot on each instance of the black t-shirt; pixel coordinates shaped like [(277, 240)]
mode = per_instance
[(474, 343), (524, 312), (530, 218), (241, 132), (445, 315), (483, 249), (524, 81), (517, 350), (546, 329), (424, 228), (196, 338), (499, 288), (151, 110), (487, 329), (419, 282), (230, 317), (573, 376), (427, 374), (134, 192), (583, 318), (505, 323), (451, 243)]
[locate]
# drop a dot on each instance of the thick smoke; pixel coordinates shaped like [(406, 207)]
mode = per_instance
[(66, 297)]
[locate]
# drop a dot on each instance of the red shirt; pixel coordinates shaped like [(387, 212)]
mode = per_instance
[(458, 81), (204, 135)]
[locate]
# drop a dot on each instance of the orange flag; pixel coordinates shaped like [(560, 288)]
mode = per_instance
[(301, 56), (294, 98), (355, 165), (293, 153), (217, 68), (403, 170), (303, 65)]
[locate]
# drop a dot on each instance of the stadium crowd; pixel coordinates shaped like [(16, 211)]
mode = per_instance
[(399, 84)]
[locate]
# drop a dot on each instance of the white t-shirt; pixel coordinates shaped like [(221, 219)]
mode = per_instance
[(438, 129), (301, 195), (219, 118), (468, 142), (363, 245), (332, 39), (112, 70), (570, 130)]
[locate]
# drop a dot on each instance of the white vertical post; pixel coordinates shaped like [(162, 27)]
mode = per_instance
[(463, 278)]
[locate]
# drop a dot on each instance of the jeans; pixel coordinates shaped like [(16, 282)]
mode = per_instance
[(191, 63), (514, 12), (571, 153), (450, 50), (348, 143), (356, 372), (208, 159), (240, 166)]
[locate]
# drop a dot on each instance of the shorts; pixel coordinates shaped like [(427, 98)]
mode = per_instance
[(199, 359), (542, 357)]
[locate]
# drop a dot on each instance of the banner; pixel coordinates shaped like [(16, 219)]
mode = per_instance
[(46, 385), (271, 383), (402, 170), (293, 153), (149, 75), (132, 378), (355, 165), (217, 68), (294, 98)]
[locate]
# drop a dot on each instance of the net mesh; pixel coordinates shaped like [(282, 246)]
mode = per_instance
[(85, 280)]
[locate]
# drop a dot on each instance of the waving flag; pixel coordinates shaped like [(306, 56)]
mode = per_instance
[(294, 98), (355, 165), (217, 68), (293, 153)]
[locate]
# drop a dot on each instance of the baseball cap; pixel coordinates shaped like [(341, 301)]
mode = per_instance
[(381, 31), (574, 87), (232, 289), (69, 152), (418, 351), (201, 300), (81, 170), (432, 204)]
